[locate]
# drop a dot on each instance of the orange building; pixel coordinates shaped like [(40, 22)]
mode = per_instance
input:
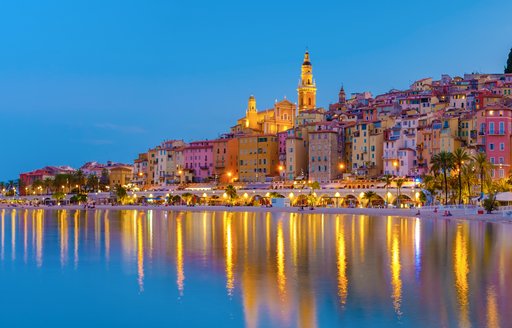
[(258, 157), (225, 159)]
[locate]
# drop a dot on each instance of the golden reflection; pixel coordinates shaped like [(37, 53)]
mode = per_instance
[(76, 232), (13, 234), (3, 233), (230, 279), (461, 271), (341, 260), (396, 280), (493, 316), (97, 229), (179, 256), (280, 257), (107, 236), (63, 231), (25, 236), (293, 238), (39, 237), (150, 229), (140, 255), (417, 245), (363, 221)]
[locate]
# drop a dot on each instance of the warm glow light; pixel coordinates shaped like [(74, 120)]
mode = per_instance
[(461, 271), (341, 261), (230, 278), (280, 258), (291, 195)]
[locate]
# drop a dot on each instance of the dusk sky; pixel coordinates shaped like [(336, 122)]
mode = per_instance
[(104, 80)]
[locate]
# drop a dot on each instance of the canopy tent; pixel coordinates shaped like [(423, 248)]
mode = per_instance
[(504, 196)]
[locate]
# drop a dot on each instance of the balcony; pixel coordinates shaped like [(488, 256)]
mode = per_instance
[(496, 133)]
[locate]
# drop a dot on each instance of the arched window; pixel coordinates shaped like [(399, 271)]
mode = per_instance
[(309, 101)]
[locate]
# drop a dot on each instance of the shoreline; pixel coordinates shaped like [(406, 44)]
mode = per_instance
[(457, 214)]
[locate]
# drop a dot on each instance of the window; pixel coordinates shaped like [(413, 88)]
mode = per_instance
[(491, 146), (502, 146), (502, 127), (491, 160), (491, 128), (501, 173), (501, 160)]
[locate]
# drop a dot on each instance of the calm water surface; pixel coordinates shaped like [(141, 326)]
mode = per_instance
[(156, 268)]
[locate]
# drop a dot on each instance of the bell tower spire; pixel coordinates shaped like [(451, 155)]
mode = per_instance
[(307, 87)]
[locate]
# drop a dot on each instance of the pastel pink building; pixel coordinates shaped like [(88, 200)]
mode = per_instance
[(199, 159), (494, 124), (281, 137)]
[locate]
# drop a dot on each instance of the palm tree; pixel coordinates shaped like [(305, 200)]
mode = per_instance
[(459, 157), (231, 193), (121, 194), (443, 162), (388, 179), (469, 178), (399, 183), (92, 182), (48, 183), (369, 196), (482, 167)]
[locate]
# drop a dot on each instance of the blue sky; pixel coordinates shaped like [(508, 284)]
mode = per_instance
[(104, 80)]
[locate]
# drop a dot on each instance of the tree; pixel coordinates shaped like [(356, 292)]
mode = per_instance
[(459, 157), (231, 193), (482, 168), (92, 183), (490, 203), (187, 198), (443, 162), (399, 183), (78, 178), (274, 194), (508, 68), (104, 179), (58, 196), (314, 185), (48, 185), (121, 194), (78, 198), (369, 196), (388, 179), (469, 178)]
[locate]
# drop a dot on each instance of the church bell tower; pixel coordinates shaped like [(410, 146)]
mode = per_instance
[(307, 87)]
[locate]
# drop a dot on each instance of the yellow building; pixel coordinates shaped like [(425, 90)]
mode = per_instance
[(296, 156), (258, 157), (449, 140), (277, 119), (120, 176), (367, 144), (307, 87)]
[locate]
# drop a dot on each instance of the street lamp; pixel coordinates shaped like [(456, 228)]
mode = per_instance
[(395, 164), (281, 169), (342, 168)]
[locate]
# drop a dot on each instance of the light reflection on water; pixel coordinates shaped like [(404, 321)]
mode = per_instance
[(252, 269)]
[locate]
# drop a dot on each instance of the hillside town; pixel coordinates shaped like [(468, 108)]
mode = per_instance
[(357, 139)]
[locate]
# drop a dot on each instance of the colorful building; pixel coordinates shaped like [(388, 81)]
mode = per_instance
[(258, 158)]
